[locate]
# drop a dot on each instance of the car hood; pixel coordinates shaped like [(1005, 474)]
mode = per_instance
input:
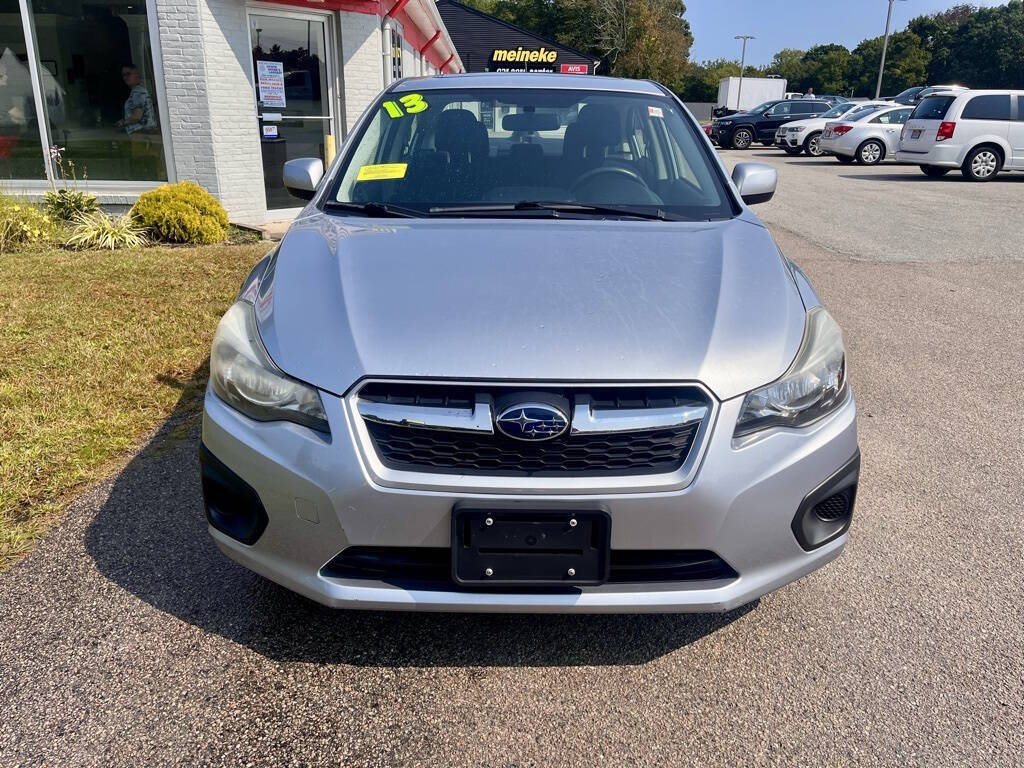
[(515, 299), (741, 116)]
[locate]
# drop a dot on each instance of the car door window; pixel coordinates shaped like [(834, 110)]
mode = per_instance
[(989, 107), (819, 108), (1020, 109), (781, 110)]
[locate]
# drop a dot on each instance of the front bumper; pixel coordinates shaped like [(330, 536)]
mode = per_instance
[(721, 135), (791, 140), (320, 498)]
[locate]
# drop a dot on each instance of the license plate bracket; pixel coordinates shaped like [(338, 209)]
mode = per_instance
[(532, 548)]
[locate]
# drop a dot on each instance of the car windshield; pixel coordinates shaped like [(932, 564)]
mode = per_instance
[(518, 151), (909, 93), (761, 107), (837, 111), (863, 111)]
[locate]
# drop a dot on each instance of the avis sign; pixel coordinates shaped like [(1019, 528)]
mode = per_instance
[(574, 69)]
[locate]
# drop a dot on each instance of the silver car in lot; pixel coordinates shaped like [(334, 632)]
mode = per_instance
[(527, 348), (868, 138), (805, 135)]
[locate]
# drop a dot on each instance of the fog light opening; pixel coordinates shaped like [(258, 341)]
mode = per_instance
[(826, 512)]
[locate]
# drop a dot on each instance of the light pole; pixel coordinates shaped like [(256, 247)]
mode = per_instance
[(885, 47), (743, 63)]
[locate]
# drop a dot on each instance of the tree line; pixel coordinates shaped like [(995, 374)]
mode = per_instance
[(968, 45)]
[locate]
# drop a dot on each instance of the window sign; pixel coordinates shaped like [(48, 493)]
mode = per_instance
[(270, 76)]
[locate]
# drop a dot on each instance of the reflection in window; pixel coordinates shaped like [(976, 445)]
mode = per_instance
[(396, 55), (98, 84), (21, 153)]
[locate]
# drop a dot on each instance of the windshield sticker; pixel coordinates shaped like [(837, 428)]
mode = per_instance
[(409, 104), (655, 112), (382, 172)]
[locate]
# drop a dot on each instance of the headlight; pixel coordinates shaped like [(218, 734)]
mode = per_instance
[(797, 129), (243, 375), (725, 122), (814, 385)]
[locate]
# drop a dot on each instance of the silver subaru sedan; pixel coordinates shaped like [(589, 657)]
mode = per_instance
[(527, 348)]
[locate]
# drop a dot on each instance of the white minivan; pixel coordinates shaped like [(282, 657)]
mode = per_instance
[(979, 132)]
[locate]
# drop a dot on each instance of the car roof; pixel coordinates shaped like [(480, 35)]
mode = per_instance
[(529, 80)]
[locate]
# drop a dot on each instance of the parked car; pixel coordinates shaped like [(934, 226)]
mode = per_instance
[(741, 130), (913, 96), (868, 140), (804, 135), (486, 374), (907, 97), (979, 132)]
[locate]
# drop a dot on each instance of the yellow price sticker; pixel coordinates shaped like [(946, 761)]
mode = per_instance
[(382, 172)]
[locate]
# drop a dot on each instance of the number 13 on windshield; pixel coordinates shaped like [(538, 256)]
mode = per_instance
[(412, 102)]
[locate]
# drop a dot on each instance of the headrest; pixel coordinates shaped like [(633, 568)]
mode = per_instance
[(599, 125), (458, 131)]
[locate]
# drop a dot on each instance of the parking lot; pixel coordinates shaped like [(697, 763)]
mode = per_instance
[(128, 639)]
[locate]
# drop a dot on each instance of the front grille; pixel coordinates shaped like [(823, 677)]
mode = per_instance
[(419, 448), (431, 567)]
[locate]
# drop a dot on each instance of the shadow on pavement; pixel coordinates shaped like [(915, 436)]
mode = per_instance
[(953, 177), (150, 538)]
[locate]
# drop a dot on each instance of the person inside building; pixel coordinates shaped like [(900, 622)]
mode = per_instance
[(139, 114), (139, 122)]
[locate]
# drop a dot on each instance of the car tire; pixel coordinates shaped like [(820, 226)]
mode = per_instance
[(845, 159), (934, 171), (813, 145), (982, 164), (793, 151), (871, 152), (742, 138)]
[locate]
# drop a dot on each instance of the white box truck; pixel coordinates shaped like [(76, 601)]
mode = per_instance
[(756, 90)]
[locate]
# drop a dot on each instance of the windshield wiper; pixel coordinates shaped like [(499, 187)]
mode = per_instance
[(538, 205), (374, 209)]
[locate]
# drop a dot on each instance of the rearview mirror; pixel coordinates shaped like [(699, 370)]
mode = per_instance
[(302, 175), (756, 182)]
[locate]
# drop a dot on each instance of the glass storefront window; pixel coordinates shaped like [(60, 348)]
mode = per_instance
[(21, 152), (96, 64)]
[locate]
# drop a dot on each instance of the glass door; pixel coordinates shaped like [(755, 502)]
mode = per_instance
[(290, 60)]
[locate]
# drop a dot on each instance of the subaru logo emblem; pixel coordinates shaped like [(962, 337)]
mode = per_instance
[(532, 421)]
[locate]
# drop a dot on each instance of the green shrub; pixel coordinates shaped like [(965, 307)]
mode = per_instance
[(182, 213), (98, 230), (66, 204), (22, 224)]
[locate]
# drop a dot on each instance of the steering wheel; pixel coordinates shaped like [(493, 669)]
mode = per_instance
[(594, 172)]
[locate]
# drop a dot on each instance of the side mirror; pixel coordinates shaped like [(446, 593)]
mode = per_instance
[(302, 175), (756, 182)]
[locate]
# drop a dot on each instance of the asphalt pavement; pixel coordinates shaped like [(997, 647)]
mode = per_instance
[(127, 639)]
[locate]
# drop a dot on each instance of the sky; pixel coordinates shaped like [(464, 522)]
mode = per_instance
[(800, 24)]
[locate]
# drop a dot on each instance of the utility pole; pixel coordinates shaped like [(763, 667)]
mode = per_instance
[(885, 48), (743, 64)]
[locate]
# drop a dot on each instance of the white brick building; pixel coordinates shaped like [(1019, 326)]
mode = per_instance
[(137, 92)]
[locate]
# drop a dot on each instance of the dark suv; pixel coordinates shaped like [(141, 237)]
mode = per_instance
[(741, 130)]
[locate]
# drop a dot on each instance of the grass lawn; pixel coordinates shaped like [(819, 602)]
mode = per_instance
[(96, 350)]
